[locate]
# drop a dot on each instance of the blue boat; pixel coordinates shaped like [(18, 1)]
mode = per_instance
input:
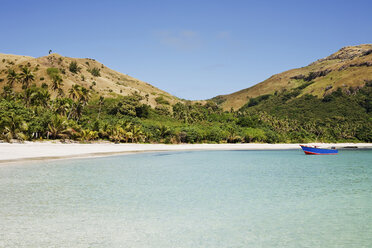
[(314, 150)]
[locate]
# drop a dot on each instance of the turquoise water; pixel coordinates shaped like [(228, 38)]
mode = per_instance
[(190, 199)]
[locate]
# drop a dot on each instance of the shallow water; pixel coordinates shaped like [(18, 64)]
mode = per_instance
[(190, 199)]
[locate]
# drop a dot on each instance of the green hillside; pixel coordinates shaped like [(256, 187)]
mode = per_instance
[(349, 67), (293, 109)]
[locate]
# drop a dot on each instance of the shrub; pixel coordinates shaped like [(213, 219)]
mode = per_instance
[(292, 94), (44, 86), (73, 67), (95, 72), (304, 85), (52, 71), (142, 111), (161, 100), (248, 121), (255, 101), (254, 135), (216, 134), (191, 134), (162, 110)]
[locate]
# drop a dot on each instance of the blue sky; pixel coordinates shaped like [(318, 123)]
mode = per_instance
[(192, 49)]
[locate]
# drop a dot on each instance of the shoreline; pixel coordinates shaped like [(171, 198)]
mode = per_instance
[(41, 151)]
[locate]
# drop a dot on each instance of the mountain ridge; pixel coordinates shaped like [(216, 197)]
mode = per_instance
[(350, 66)]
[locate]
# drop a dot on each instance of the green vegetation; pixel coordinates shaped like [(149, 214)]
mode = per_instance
[(82, 115), (52, 71), (73, 67), (26, 77), (343, 115), (332, 71), (57, 81), (161, 100), (95, 72)]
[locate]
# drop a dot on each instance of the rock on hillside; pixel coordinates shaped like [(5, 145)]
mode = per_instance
[(349, 67)]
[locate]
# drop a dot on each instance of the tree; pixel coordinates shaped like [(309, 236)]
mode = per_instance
[(12, 77), (62, 106), (41, 97), (76, 111), (164, 131), (100, 102), (13, 127), (74, 91), (128, 135), (84, 95), (136, 133), (117, 134), (26, 77), (27, 95), (57, 83), (73, 67), (95, 72), (8, 93), (87, 135), (58, 127)]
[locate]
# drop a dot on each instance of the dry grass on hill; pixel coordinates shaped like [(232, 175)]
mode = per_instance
[(108, 83)]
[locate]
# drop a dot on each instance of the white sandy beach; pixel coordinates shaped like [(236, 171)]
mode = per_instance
[(54, 150)]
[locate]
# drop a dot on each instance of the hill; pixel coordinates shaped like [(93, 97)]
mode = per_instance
[(349, 67), (55, 97), (84, 72)]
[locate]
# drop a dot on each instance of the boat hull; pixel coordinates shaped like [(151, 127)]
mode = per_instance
[(308, 150)]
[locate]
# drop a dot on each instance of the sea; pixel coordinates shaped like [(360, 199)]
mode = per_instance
[(219, 199)]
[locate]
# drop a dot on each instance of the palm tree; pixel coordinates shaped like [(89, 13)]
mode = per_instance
[(117, 134), (12, 77), (128, 135), (137, 133), (58, 127), (57, 83), (8, 93), (41, 97), (62, 105), (28, 95), (76, 111), (104, 131), (101, 99), (14, 127), (84, 95), (74, 92), (127, 125), (61, 93), (87, 135), (164, 131), (26, 77)]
